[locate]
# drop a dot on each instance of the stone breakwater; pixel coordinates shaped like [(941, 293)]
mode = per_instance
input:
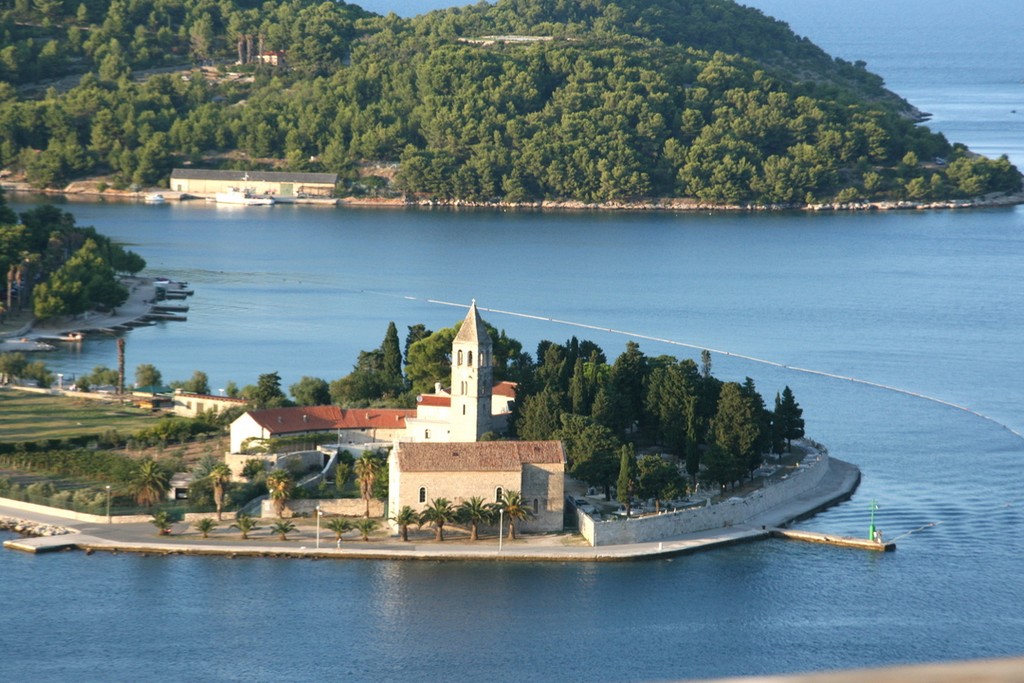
[(27, 528)]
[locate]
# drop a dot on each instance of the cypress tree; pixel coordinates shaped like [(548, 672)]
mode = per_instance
[(626, 483), (391, 357)]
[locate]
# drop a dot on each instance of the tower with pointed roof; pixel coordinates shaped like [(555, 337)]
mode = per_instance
[(472, 379)]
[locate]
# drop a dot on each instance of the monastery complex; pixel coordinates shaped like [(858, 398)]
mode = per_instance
[(435, 451)]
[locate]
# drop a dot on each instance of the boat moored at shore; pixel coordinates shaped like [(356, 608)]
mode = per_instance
[(241, 197)]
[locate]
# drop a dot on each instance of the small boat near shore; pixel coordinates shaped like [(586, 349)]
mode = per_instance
[(242, 197), (155, 198), (67, 338)]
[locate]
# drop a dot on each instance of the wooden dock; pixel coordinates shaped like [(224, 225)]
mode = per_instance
[(831, 539)]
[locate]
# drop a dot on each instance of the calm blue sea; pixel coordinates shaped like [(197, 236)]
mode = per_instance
[(926, 303)]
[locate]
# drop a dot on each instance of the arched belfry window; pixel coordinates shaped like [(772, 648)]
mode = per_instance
[(460, 356), (469, 358), (423, 494), (498, 493)]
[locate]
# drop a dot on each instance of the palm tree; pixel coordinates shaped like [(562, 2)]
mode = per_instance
[(438, 513), (282, 528), (366, 527), (220, 475), (205, 526), (245, 524), (475, 512), (512, 504), (150, 484), (404, 518), (280, 484), (366, 475), (339, 525), (162, 522)]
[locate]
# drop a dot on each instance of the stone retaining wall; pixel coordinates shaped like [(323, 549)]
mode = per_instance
[(71, 514), (725, 514), (349, 507)]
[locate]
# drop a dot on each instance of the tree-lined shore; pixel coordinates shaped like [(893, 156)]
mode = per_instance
[(519, 102)]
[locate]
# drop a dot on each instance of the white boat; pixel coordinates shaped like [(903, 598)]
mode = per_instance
[(243, 197), (154, 199)]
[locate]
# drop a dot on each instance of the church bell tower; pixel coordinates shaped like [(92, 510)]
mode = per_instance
[(471, 379)]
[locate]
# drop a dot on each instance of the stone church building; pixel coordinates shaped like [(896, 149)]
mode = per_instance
[(463, 466)]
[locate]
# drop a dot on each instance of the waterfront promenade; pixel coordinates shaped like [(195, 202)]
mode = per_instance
[(837, 485)]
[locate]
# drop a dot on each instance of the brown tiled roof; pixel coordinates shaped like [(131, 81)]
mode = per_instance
[(505, 389), (324, 418), (480, 456)]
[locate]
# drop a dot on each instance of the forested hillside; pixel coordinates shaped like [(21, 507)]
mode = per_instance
[(586, 100)]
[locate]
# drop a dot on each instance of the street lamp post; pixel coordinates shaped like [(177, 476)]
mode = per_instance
[(501, 526), (108, 503), (318, 513)]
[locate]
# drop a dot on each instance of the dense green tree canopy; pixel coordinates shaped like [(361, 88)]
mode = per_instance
[(594, 101)]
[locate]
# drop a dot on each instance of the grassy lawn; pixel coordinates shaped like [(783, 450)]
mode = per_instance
[(31, 417)]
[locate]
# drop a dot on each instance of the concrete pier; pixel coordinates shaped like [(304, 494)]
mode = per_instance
[(831, 539)]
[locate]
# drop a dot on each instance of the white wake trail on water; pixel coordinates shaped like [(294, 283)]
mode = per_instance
[(698, 347)]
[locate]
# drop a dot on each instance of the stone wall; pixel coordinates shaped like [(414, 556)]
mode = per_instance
[(349, 507), (729, 513), (303, 461), (71, 514)]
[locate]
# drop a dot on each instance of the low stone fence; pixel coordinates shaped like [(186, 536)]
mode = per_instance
[(71, 514), (728, 513), (349, 507)]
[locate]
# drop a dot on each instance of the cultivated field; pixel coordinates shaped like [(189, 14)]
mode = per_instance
[(30, 417)]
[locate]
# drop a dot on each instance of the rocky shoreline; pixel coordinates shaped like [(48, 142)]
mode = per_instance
[(986, 201), (998, 199), (29, 528)]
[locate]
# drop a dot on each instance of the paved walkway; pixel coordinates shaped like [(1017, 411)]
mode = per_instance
[(838, 484)]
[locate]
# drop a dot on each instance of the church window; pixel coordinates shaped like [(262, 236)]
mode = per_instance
[(464, 388), (423, 494), (426, 433), (460, 356), (463, 408), (536, 506), (497, 494), (469, 358)]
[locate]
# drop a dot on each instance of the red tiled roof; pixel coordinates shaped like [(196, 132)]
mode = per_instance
[(434, 400), (324, 418), (504, 389), (374, 418), (480, 456)]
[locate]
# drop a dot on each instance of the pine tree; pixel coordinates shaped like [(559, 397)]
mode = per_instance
[(791, 419)]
